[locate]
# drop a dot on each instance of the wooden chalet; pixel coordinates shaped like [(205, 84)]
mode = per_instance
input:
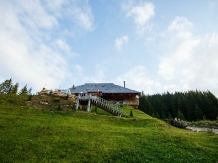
[(110, 92)]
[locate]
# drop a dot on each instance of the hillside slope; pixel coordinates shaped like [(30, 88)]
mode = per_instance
[(31, 135)]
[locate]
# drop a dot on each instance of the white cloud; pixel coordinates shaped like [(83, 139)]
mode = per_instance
[(213, 41), (180, 24), (56, 5), (78, 12), (85, 19), (34, 15), (82, 16), (212, 4), (166, 69), (62, 45), (120, 42), (138, 79), (27, 51), (141, 14), (190, 62)]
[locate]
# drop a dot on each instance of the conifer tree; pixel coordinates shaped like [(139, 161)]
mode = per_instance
[(14, 89), (30, 91), (6, 86), (144, 105), (24, 91), (180, 115)]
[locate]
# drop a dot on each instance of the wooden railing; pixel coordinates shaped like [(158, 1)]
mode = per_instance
[(107, 105), (84, 96)]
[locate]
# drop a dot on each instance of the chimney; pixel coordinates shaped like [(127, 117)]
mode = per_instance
[(124, 84)]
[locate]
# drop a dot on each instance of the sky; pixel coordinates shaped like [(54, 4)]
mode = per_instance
[(154, 46)]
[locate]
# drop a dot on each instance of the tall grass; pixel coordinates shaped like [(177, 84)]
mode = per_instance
[(30, 135)]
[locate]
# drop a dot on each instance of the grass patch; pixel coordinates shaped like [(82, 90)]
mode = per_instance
[(31, 135)]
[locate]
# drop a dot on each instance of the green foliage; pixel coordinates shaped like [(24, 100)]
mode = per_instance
[(180, 115), (59, 107), (30, 91), (30, 97), (96, 111), (57, 100), (14, 89), (131, 114), (12, 100), (24, 91), (144, 104), (6, 87), (191, 105)]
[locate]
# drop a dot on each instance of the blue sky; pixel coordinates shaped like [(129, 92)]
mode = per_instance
[(155, 46)]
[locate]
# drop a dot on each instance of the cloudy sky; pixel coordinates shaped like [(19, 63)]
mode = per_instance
[(155, 46)]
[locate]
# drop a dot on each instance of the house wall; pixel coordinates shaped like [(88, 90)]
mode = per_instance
[(129, 99), (125, 98)]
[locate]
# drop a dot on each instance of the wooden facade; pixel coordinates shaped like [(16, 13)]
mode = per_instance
[(109, 92)]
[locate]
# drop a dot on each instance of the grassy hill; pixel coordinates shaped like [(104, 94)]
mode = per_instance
[(32, 135)]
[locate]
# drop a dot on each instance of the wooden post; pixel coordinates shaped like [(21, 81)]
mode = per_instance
[(89, 102), (77, 102)]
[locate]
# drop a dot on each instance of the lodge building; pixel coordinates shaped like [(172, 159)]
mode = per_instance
[(109, 91)]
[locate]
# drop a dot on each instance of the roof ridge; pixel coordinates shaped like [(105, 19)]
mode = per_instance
[(99, 83)]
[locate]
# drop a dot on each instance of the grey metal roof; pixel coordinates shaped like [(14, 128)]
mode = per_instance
[(63, 91), (102, 87)]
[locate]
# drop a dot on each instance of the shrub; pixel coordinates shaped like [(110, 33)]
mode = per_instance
[(131, 114), (30, 97), (59, 107), (56, 100)]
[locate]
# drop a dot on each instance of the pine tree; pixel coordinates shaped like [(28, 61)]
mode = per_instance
[(144, 105), (180, 115), (14, 89), (6, 86), (24, 91), (30, 91)]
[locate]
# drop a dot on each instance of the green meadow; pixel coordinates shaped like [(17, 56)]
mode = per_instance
[(32, 135)]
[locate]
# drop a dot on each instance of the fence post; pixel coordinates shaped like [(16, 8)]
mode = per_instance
[(89, 102), (77, 102)]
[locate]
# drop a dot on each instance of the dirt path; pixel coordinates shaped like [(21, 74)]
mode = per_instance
[(203, 129)]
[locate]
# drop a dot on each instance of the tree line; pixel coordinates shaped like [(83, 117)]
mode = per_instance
[(11, 95), (8, 87), (190, 106)]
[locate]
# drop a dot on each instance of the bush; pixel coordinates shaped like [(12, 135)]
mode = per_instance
[(95, 109), (131, 114), (56, 100), (59, 107), (30, 97)]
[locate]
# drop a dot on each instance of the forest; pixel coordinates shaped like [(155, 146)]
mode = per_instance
[(190, 106), (11, 95)]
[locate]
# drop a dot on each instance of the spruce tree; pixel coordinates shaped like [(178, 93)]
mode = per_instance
[(14, 89), (144, 105), (24, 91), (6, 86), (180, 115)]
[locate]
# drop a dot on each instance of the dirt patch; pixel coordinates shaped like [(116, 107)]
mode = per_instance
[(51, 103), (202, 129)]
